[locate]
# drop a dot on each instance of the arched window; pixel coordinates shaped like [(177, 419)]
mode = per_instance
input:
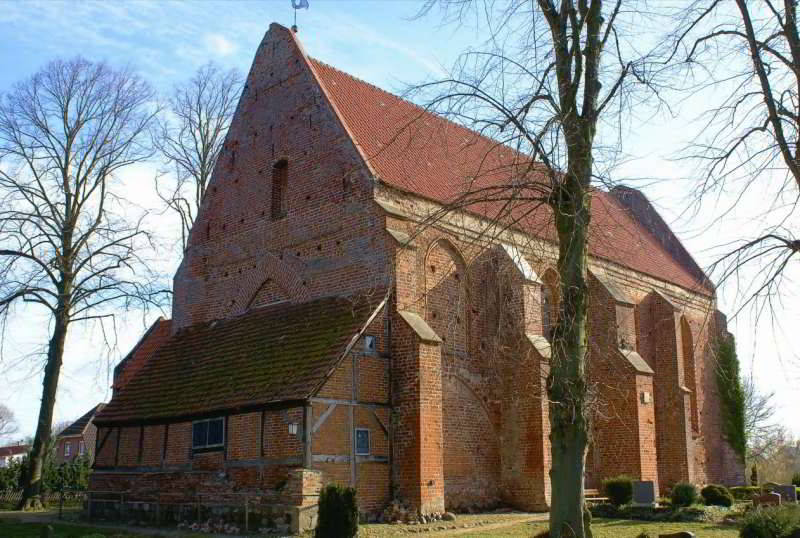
[(280, 176)]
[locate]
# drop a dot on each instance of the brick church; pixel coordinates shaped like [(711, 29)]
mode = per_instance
[(327, 329)]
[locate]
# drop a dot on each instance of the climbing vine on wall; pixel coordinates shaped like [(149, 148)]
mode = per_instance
[(732, 397)]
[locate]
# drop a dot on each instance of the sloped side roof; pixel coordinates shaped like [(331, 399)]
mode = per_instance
[(15, 450), (78, 427), (157, 334), (419, 152), (276, 353)]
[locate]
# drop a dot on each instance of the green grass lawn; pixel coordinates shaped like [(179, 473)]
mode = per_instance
[(620, 529), (10, 528)]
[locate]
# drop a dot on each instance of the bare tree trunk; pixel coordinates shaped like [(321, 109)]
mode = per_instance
[(31, 497), (567, 386), (537, 89)]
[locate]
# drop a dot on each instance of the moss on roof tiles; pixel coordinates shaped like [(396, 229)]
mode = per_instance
[(276, 353)]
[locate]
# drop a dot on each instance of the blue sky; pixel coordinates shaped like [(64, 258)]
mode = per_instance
[(378, 41)]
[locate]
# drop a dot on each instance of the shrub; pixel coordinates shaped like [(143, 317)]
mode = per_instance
[(605, 510), (338, 513), (777, 522), (732, 396), (683, 494), (619, 490), (714, 495), (796, 480)]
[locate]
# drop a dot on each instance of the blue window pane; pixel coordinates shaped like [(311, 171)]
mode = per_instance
[(216, 434), (362, 442), (199, 434)]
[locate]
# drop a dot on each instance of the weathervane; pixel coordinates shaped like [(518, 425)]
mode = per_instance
[(298, 4)]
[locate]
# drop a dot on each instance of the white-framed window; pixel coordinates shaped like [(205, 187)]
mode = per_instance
[(293, 428), (81, 448), (67, 449), (370, 344), (362, 442), (208, 433)]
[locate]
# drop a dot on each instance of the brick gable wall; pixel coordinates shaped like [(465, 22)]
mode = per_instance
[(238, 256)]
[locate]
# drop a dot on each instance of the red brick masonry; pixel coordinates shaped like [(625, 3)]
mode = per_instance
[(338, 334)]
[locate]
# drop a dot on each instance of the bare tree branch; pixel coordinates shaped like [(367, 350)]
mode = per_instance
[(65, 242), (190, 137)]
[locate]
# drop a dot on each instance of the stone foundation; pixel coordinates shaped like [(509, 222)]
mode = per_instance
[(139, 500)]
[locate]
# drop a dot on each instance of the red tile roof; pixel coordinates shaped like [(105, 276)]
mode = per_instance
[(16, 450), (152, 339), (419, 152), (276, 353)]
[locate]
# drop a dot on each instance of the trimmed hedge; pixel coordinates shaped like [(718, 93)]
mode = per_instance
[(690, 514), (683, 494), (745, 493), (619, 489), (715, 495), (338, 513)]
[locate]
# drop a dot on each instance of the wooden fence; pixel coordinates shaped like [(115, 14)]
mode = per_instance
[(52, 498)]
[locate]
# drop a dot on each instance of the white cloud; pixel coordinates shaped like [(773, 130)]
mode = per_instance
[(220, 45)]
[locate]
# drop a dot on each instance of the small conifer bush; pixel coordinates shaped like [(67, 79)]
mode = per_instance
[(338, 513), (714, 495), (683, 494), (619, 490)]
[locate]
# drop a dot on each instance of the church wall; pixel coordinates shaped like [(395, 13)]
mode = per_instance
[(461, 423), (356, 397), (635, 329)]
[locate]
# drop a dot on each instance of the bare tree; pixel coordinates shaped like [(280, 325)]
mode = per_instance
[(749, 145), (764, 435), (191, 136), (66, 243), (8, 423), (546, 78), (60, 426)]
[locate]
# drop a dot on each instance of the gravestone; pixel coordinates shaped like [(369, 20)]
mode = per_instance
[(788, 493), (768, 499), (644, 493)]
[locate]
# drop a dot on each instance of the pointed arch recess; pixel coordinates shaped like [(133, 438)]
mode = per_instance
[(446, 298)]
